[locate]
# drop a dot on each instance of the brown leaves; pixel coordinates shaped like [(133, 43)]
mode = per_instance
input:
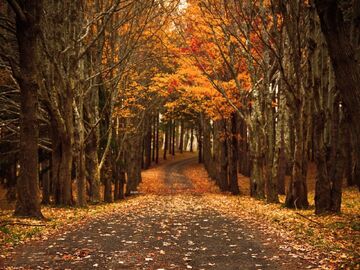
[(333, 244), (60, 220)]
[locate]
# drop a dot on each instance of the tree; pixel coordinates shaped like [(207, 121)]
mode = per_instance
[(28, 15), (340, 25)]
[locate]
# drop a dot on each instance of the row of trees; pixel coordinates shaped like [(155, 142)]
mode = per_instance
[(289, 75), (91, 92), (77, 114)]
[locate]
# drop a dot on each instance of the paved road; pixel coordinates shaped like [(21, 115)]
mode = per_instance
[(174, 177), (177, 231)]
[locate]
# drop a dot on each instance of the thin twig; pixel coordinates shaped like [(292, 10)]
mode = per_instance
[(316, 222)]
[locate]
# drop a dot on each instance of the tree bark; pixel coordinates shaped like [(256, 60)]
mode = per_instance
[(157, 138), (79, 131), (200, 144), (108, 183), (173, 138), (153, 147), (337, 23), (166, 140), (46, 182), (297, 192), (282, 163), (223, 173), (181, 143), (27, 33), (191, 139), (147, 148), (244, 163), (233, 159), (322, 186)]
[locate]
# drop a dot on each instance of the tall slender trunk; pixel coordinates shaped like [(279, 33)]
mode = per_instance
[(122, 182), (257, 187), (206, 143), (200, 144), (157, 119), (147, 148), (92, 162), (80, 153), (116, 180), (223, 173), (181, 143), (173, 138), (233, 157), (191, 139), (108, 181), (244, 163), (166, 140), (339, 163), (46, 182), (272, 155), (282, 163), (348, 158), (153, 147), (297, 192), (322, 187), (133, 164)]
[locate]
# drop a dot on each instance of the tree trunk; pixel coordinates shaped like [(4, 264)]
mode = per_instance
[(272, 155), (62, 142), (244, 163), (27, 33), (166, 140), (92, 163), (191, 139), (223, 174), (181, 143), (233, 159), (297, 192), (257, 187), (200, 144), (147, 148), (173, 138), (79, 131), (133, 165), (322, 186), (282, 164), (116, 182), (348, 158), (92, 143), (65, 177), (206, 143), (122, 182), (107, 190), (46, 182), (336, 165), (157, 138), (153, 147), (337, 22)]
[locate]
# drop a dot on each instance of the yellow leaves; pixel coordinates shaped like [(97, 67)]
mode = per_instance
[(124, 28), (233, 39)]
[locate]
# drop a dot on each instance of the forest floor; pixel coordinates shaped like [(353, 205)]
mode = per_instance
[(180, 220)]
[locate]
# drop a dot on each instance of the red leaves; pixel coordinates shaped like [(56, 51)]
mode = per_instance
[(195, 45), (173, 85)]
